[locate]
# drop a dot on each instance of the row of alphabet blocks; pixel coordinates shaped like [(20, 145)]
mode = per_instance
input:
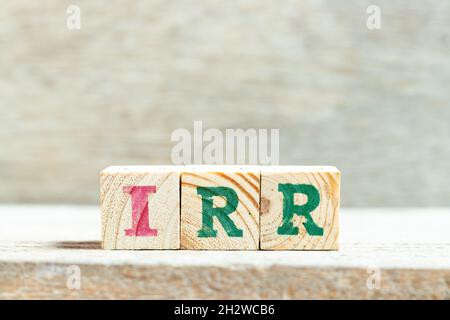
[(220, 207)]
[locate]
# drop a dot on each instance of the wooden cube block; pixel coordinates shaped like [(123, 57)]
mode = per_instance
[(140, 207), (220, 208), (299, 208)]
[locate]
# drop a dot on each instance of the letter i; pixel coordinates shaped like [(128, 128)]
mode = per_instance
[(139, 204)]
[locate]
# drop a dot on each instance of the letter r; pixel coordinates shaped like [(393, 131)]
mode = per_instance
[(289, 209), (209, 211), (139, 204)]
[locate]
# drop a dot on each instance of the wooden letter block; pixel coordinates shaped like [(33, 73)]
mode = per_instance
[(220, 208), (140, 207), (299, 208)]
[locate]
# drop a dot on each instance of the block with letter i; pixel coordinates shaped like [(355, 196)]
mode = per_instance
[(300, 208), (220, 208), (140, 207)]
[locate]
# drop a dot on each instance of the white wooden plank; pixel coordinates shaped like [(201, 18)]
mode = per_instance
[(409, 246)]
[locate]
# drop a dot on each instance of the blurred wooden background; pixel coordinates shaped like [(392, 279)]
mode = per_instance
[(373, 103)]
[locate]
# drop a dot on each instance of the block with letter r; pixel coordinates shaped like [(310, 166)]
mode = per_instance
[(300, 208), (220, 208)]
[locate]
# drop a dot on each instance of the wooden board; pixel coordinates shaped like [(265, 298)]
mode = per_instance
[(77, 99), (39, 245), (300, 208), (220, 208), (140, 207)]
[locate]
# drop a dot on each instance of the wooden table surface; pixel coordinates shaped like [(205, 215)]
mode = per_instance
[(54, 252)]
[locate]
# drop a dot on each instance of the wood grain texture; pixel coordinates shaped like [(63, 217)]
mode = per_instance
[(163, 206), (326, 215), (38, 244), (245, 181), (310, 68)]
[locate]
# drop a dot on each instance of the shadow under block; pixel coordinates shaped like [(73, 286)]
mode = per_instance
[(220, 208), (140, 207), (300, 208)]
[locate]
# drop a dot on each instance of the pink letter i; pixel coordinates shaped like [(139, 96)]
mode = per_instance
[(139, 205)]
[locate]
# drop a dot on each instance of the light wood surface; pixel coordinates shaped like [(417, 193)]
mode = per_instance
[(162, 212), (409, 247), (245, 182), (326, 180), (115, 90)]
